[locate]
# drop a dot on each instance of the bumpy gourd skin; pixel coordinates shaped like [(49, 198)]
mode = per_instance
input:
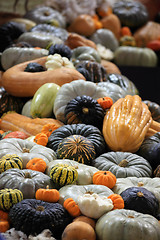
[(126, 124)]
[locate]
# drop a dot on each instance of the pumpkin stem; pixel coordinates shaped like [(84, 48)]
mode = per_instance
[(47, 187), (85, 110), (140, 184), (140, 194), (130, 216), (89, 192), (123, 163), (40, 208), (27, 175), (26, 150)]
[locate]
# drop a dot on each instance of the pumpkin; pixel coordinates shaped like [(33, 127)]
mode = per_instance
[(140, 200), (131, 13), (4, 225), (154, 109), (19, 78), (26, 22), (71, 206), (27, 108), (36, 164), (63, 174), (13, 121), (15, 134), (88, 220), (48, 129), (61, 49), (106, 38), (41, 139), (34, 67), (105, 178), (132, 56), (149, 149), (127, 41), (31, 216), (84, 109), (110, 66), (118, 202), (123, 164), (89, 131), (20, 55), (77, 148), (85, 172), (72, 90), (153, 8), (26, 180), (47, 195), (9, 197), (26, 150), (133, 119), (10, 161), (78, 230), (4, 215), (124, 223), (45, 14), (105, 102)]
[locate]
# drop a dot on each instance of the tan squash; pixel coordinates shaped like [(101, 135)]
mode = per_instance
[(25, 84), (86, 219), (110, 67), (112, 23)]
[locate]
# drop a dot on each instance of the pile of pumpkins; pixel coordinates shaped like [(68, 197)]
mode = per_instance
[(79, 148)]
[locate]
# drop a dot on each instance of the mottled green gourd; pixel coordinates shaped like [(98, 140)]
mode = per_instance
[(9, 197), (10, 161), (63, 174)]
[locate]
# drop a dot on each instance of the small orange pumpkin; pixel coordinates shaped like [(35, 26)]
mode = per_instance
[(105, 178), (4, 225), (117, 200), (36, 164), (4, 215), (72, 207), (105, 102), (125, 31), (47, 195), (41, 139), (48, 129), (1, 131)]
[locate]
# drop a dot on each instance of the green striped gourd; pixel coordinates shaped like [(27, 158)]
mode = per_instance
[(10, 161), (9, 197)]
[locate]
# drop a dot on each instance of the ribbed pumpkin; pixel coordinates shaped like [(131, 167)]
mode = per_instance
[(84, 109), (10, 161), (9, 197), (154, 109), (77, 148), (63, 174)]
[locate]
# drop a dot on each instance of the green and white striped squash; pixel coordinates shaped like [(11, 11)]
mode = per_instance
[(63, 174), (10, 161), (9, 197), (77, 148)]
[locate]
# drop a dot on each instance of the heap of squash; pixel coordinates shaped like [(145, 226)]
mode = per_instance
[(79, 147)]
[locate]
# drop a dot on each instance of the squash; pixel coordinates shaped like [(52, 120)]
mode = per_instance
[(36, 164), (14, 79), (47, 195), (77, 148), (26, 180), (31, 216), (4, 225), (34, 67), (41, 139), (131, 13), (15, 55), (122, 223), (26, 150), (154, 109), (105, 178), (72, 207), (105, 102), (118, 202), (88, 220), (70, 91), (60, 49), (110, 66), (85, 172), (88, 131), (12, 121), (29, 24), (10, 161), (27, 108), (127, 41), (106, 38), (153, 8), (140, 200), (132, 56), (123, 164), (9, 197)]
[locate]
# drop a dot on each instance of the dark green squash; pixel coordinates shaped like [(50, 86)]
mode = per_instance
[(77, 148), (131, 13), (61, 49), (84, 72), (34, 67), (33, 216), (89, 131), (84, 109), (154, 109), (141, 200)]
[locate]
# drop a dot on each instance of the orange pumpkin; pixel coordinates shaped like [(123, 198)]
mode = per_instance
[(4, 215), (48, 129), (4, 225), (125, 31), (37, 164), (41, 139), (47, 195), (86, 219), (105, 102), (117, 200), (105, 178), (71, 206)]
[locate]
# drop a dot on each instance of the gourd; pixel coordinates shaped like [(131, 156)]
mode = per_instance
[(85, 172), (9, 197), (43, 100), (77, 148), (26, 150), (72, 207), (36, 214), (85, 219), (36, 164), (70, 91), (106, 38), (140, 200), (89, 131), (34, 67), (15, 55), (61, 49), (132, 56), (123, 164), (113, 225), (127, 41), (84, 109), (10, 161), (154, 109), (26, 180), (47, 195), (14, 79), (26, 22), (105, 178), (131, 13), (27, 108)]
